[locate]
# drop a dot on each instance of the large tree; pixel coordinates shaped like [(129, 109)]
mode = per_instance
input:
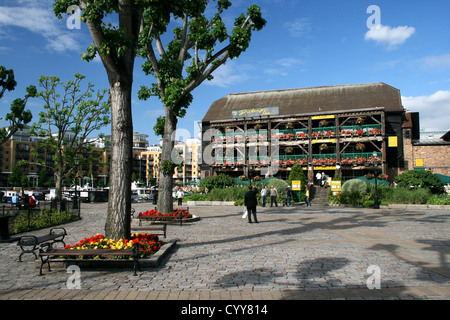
[(198, 48), (18, 116), (71, 114), (116, 45)]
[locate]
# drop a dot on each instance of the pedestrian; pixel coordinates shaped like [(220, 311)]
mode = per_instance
[(251, 202), (288, 197), (263, 196), (273, 196), (180, 196), (16, 200), (319, 178), (33, 201), (307, 193)]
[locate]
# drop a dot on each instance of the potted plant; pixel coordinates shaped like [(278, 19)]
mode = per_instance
[(360, 120), (323, 123), (289, 150), (324, 146), (257, 127), (289, 125), (360, 147)]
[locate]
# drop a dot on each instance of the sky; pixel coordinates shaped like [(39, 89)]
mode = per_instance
[(405, 44)]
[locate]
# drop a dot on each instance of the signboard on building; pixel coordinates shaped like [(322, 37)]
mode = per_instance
[(255, 112), (336, 186), (296, 185), (393, 142)]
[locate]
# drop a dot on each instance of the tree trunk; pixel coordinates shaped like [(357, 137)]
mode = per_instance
[(119, 204), (165, 201)]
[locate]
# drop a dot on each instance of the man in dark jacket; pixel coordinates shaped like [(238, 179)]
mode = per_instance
[(250, 202)]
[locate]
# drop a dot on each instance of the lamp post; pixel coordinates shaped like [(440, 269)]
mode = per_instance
[(75, 202), (376, 205)]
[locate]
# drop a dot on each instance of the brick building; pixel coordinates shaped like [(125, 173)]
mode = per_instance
[(424, 154)]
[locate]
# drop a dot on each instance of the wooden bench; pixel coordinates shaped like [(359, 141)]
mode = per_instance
[(30, 243), (161, 218), (46, 252), (161, 229)]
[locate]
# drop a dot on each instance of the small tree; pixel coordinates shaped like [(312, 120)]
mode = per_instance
[(18, 115), (297, 174), (68, 120)]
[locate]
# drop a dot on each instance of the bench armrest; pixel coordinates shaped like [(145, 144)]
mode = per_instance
[(63, 233)]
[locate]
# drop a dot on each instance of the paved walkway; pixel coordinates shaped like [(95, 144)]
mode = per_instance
[(293, 253)]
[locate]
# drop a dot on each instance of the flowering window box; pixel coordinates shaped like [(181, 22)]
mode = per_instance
[(277, 136), (288, 136), (301, 135)]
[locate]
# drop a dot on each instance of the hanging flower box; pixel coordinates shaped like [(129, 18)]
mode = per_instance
[(369, 176), (289, 125), (323, 146), (289, 162), (360, 147), (329, 133), (318, 162), (277, 136), (301, 135), (347, 162), (360, 120), (289, 149), (323, 123), (279, 162), (288, 136)]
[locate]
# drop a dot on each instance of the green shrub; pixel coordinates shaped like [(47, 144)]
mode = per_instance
[(420, 179), (216, 182), (354, 186), (439, 199), (46, 218)]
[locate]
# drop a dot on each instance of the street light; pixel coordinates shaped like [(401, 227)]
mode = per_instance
[(75, 202), (376, 205)]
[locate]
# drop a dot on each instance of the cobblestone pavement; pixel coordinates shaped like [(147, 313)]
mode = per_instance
[(293, 253)]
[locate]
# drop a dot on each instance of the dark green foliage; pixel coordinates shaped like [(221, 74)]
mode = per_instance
[(220, 181), (419, 179)]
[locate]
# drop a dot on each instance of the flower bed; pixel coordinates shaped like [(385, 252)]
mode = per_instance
[(158, 216), (148, 244)]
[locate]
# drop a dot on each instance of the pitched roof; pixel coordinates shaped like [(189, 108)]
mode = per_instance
[(310, 100)]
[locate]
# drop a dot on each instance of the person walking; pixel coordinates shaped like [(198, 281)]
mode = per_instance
[(180, 196), (319, 178), (288, 197), (251, 202), (264, 192), (307, 193), (273, 196)]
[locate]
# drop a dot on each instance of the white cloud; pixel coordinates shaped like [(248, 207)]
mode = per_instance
[(437, 62), (299, 27), (392, 37), (40, 20), (282, 66), (229, 74), (434, 109)]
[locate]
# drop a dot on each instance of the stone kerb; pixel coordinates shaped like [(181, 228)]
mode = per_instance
[(210, 203)]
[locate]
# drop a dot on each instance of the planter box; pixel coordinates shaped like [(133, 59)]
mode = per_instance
[(210, 203), (151, 262)]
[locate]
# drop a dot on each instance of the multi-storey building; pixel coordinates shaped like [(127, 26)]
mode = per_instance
[(346, 129)]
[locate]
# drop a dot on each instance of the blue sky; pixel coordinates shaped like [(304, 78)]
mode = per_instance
[(305, 44)]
